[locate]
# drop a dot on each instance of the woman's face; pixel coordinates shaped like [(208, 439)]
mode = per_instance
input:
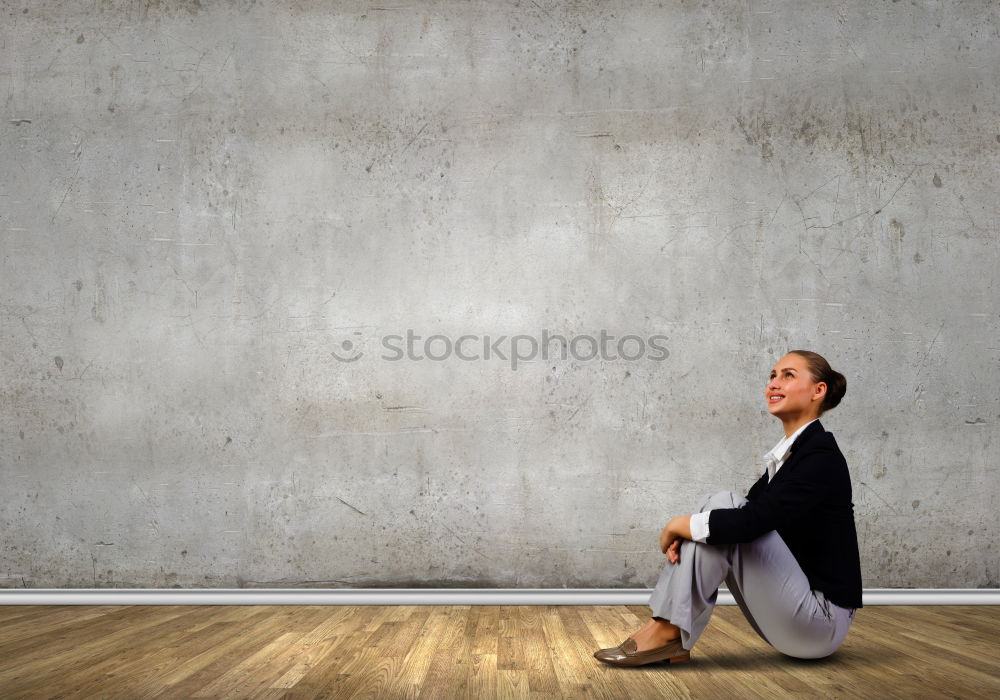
[(791, 391)]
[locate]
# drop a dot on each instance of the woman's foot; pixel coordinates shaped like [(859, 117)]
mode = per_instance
[(657, 640), (654, 634)]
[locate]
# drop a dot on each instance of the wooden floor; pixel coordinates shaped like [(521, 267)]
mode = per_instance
[(471, 652)]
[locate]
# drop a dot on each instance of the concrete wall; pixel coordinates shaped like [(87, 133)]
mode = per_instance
[(202, 203)]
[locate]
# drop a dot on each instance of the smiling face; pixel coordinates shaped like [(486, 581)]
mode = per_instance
[(791, 393)]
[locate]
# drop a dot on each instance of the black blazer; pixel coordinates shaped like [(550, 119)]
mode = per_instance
[(809, 503)]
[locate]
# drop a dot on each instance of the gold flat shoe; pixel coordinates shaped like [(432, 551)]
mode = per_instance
[(625, 654)]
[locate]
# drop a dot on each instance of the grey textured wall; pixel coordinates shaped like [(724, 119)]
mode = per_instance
[(202, 202)]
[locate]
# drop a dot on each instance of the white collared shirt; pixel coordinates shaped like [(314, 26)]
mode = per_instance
[(773, 459)]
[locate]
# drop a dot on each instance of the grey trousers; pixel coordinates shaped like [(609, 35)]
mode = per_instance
[(767, 583)]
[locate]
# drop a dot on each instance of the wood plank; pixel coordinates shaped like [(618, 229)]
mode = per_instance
[(570, 668), (472, 652), (448, 671), (244, 638), (13, 615), (343, 639), (154, 651), (178, 660), (81, 644)]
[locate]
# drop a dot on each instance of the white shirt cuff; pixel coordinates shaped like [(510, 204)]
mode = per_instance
[(699, 526)]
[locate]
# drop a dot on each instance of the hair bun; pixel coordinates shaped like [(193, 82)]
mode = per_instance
[(821, 371)]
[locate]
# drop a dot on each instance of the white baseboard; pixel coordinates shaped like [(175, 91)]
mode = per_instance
[(435, 596)]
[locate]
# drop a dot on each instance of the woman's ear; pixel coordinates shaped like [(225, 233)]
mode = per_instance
[(819, 393)]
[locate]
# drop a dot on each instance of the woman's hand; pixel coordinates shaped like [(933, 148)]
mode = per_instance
[(674, 551), (672, 535)]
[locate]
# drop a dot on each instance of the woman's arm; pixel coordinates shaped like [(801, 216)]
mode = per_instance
[(673, 533), (801, 492)]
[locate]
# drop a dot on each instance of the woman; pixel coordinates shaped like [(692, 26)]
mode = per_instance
[(788, 552)]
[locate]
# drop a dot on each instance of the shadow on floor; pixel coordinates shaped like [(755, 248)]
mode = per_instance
[(755, 660)]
